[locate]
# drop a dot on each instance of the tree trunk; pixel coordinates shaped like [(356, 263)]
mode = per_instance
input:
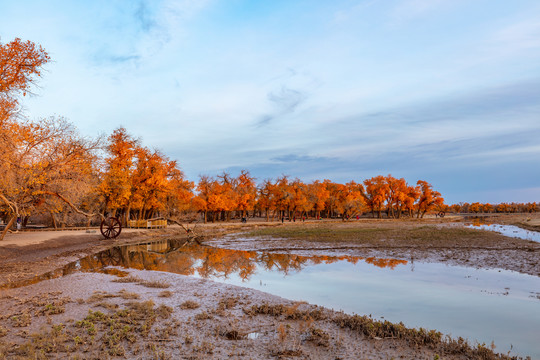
[(54, 221), (128, 214), (8, 225)]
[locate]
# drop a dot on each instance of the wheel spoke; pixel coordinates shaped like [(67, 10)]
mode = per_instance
[(111, 227)]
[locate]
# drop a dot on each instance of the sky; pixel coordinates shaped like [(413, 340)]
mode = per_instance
[(446, 91)]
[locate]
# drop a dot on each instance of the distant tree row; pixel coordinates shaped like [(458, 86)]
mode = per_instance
[(217, 198), (494, 208)]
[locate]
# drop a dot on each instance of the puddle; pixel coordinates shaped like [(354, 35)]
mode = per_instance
[(253, 336), (481, 305), (508, 230)]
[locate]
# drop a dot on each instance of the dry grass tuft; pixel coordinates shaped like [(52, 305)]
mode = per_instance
[(230, 330), (51, 309), (155, 284), (147, 283), (205, 348), (189, 304), (228, 302), (164, 311), (166, 294), (291, 312), (319, 337), (99, 296), (128, 279), (203, 316), (21, 320), (124, 294), (416, 337), (107, 305)]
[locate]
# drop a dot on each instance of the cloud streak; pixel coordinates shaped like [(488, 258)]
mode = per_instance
[(284, 101)]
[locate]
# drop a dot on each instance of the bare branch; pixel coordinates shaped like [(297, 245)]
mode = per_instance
[(70, 204)]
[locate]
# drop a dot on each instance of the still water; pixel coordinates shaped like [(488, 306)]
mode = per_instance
[(480, 305), (508, 230)]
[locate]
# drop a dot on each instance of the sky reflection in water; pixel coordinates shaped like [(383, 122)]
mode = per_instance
[(508, 230)]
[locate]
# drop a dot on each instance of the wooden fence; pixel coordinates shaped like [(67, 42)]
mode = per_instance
[(147, 224)]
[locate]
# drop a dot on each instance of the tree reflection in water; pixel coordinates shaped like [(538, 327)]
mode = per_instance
[(177, 256), (189, 259)]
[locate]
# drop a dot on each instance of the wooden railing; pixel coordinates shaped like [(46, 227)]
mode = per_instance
[(147, 224)]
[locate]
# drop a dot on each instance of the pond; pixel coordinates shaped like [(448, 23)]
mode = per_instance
[(508, 230), (481, 305)]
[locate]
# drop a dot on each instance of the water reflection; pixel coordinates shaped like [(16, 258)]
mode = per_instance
[(507, 230), (180, 257), (191, 259)]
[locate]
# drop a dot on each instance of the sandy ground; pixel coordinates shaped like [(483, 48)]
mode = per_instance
[(25, 238)]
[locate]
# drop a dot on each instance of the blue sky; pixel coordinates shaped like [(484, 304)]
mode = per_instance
[(442, 90)]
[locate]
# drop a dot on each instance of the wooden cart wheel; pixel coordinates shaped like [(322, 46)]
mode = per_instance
[(441, 214), (111, 227), (110, 257)]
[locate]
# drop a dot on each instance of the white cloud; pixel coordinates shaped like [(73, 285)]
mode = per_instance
[(520, 37), (409, 10)]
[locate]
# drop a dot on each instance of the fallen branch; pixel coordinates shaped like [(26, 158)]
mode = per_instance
[(187, 229)]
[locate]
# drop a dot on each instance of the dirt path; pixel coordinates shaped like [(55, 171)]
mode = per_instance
[(25, 238)]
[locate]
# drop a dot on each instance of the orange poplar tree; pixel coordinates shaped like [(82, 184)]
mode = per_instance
[(116, 187), (20, 63), (246, 193), (376, 194), (318, 194), (429, 199)]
